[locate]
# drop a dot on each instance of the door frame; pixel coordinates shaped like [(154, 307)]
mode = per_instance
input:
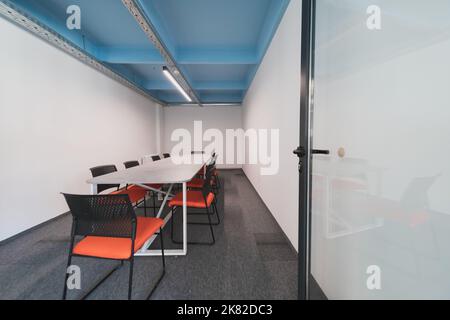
[(304, 151)]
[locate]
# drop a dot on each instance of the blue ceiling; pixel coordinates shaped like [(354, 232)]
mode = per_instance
[(217, 44)]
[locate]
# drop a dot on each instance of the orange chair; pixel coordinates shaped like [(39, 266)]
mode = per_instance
[(135, 163), (198, 183), (110, 230), (198, 199), (195, 183)]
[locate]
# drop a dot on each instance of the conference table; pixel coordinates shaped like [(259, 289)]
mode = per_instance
[(168, 171)]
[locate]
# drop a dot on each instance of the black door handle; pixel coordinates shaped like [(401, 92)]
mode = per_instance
[(315, 151), (300, 152)]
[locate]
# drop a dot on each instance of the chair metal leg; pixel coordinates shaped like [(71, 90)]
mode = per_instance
[(163, 265), (214, 212), (154, 203), (211, 228), (100, 282), (219, 185), (130, 279), (217, 212), (69, 262), (209, 223), (162, 249), (172, 224), (145, 205)]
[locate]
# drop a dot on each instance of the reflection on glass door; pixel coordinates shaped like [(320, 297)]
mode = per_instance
[(381, 199)]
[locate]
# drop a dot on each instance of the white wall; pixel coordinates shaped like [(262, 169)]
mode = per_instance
[(213, 117), (273, 102), (58, 118)]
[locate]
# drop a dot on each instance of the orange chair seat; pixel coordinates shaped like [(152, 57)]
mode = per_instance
[(201, 171), (194, 199), (196, 183), (118, 248), (134, 192)]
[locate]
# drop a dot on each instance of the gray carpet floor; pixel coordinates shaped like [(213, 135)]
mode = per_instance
[(250, 260)]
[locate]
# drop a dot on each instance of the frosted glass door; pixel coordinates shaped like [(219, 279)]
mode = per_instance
[(381, 199)]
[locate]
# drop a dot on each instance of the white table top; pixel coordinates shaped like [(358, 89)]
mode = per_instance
[(164, 171)]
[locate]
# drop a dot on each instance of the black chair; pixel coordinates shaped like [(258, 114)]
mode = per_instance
[(131, 164), (217, 184), (166, 155), (136, 194), (197, 199), (198, 181), (110, 230), (156, 158), (102, 170)]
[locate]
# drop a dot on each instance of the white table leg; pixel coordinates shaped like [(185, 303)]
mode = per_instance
[(93, 189), (145, 252), (184, 219), (163, 204)]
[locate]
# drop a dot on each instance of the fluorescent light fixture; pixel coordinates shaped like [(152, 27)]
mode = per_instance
[(175, 83)]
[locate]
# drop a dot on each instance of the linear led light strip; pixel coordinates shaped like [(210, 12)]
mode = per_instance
[(171, 68), (52, 37), (175, 83)]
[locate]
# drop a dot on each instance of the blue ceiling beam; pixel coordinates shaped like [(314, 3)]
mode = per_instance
[(217, 56), (128, 55), (148, 55), (220, 85), (221, 96)]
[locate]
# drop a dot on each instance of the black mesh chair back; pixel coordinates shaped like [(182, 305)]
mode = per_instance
[(207, 187), (102, 215), (102, 170), (166, 155), (131, 164), (156, 158)]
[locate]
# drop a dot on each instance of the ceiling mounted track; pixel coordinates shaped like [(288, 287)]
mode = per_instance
[(153, 36), (13, 14)]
